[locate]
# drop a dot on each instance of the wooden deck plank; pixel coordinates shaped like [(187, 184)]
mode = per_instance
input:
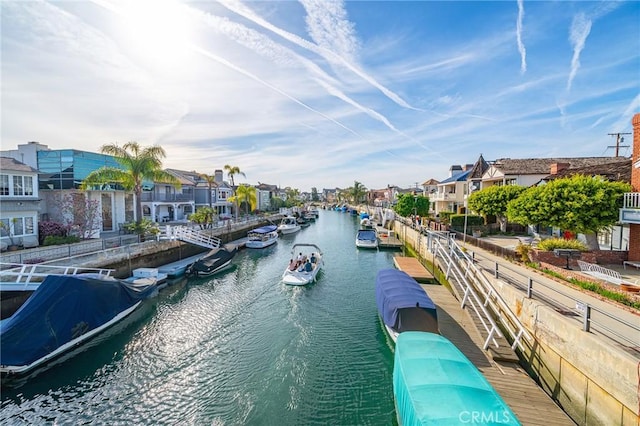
[(413, 268), (528, 401)]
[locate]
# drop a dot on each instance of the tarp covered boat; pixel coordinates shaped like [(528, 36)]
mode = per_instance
[(214, 261), (435, 384), (403, 304), (62, 313)]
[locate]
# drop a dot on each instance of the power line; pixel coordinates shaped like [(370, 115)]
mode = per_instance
[(619, 140)]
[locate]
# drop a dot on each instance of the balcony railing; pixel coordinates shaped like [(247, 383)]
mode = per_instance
[(630, 211), (632, 200), (442, 196), (147, 196)]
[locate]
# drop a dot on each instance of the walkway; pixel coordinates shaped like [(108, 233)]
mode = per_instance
[(601, 323), (528, 401)]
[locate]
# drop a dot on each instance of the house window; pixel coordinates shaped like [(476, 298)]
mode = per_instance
[(18, 226), (17, 186), (28, 226), (4, 184), (28, 185)]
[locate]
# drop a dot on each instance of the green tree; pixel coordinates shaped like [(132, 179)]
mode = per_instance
[(314, 194), (211, 180), (409, 204), (231, 172), (204, 217), (246, 195), (356, 192), (137, 163), (292, 197), (580, 204), (493, 201)]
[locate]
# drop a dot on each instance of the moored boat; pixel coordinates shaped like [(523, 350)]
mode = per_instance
[(436, 384), (262, 237), (148, 276), (178, 268), (213, 262), (63, 313), (288, 225), (367, 238), (403, 304), (306, 261)]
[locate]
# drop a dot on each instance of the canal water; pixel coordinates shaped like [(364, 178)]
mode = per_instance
[(240, 348)]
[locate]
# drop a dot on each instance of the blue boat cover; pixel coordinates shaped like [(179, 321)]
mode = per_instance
[(367, 235), (264, 229), (435, 384), (61, 309), (402, 302)]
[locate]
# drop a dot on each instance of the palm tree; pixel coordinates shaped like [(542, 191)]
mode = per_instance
[(232, 171), (247, 194), (137, 163), (357, 191), (210, 179)]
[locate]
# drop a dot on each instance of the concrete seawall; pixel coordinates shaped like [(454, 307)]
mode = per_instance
[(593, 380)]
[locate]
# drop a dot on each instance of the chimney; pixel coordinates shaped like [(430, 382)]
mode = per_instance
[(454, 170), (558, 167), (218, 176)]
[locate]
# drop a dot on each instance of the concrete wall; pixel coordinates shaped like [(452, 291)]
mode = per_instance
[(593, 380)]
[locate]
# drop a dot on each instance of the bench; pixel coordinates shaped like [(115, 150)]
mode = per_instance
[(600, 272), (632, 263)]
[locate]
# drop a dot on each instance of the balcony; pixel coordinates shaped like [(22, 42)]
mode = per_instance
[(630, 211), (442, 196), (166, 198)]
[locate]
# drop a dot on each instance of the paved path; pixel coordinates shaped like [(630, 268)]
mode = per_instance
[(625, 336)]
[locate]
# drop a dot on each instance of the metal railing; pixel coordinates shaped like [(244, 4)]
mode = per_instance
[(23, 277)]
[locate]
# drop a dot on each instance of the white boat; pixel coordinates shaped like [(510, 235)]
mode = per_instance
[(262, 237), (147, 277), (62, 314), (177, 269), (289, 225), (367, 238), (306, 261)]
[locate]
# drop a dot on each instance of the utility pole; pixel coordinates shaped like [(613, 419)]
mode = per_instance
[(619, 140)]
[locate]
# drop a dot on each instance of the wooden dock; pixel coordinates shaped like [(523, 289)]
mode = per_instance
[(414, 269), (387, 239), (526, 399)]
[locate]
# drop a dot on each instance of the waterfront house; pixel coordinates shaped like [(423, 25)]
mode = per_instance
[(20, 204)]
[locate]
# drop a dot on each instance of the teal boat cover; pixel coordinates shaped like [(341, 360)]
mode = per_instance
[(435, 384)]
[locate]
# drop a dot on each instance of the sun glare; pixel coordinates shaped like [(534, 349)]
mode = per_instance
[(159, 32)]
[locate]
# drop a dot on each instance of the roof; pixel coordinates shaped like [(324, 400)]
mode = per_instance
[(542, 166), (430, 182), (11, 164), (479, 168), (460, 177), (617, 171)]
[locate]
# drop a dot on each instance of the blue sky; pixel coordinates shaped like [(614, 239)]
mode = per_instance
[(321, 93)]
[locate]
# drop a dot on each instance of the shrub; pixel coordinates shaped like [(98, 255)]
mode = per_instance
[(523, 251), (54, 240), (560, 243), (51, 229), (457, 220)]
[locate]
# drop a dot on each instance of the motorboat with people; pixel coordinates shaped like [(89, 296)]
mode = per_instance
[(435, 383), (213, 262), (304, 265), (262, 237), (62, 314), (289, 225), (367, 238), (403, 304)]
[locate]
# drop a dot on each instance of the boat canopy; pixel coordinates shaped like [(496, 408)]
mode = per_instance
[(435, 384), (367, 234), (403, 304), (264, 229), (63, 308)]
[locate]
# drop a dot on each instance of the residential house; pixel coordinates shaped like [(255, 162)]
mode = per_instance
[(166, 202), (62, 171), (264, 194), (20, 204), (451, 193)]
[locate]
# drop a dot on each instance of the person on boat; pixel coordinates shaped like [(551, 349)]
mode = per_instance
[(308, 267), (300, 260), (292, 265), (313, 258)]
